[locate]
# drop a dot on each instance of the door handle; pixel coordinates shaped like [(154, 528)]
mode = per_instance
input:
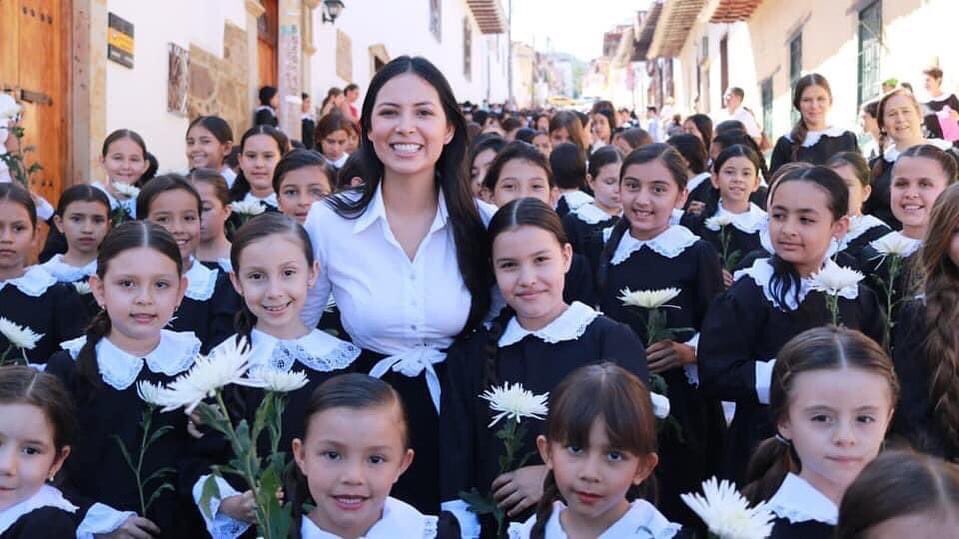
[(38, 98)]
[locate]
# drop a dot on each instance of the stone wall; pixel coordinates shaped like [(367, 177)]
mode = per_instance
[(220, 85)]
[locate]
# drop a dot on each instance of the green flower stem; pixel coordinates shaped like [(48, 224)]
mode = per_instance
[(832, 302)]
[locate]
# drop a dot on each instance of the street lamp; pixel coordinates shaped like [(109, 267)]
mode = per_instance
[(332, 10)]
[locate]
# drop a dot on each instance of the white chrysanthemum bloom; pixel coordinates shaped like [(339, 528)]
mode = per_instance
[(19, 336), (718, 221), (9, 108), (275, 379), (247, 207), (515, 402), (82, 287), (660, 405), (833, 279), (154, 394), (648, 299), (893, 244), (727, 513), (225, 366), (126, 190)]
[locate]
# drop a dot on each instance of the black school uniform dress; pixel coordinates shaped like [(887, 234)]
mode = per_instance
[(743, 332), (675, 258), (539, 360), (801, 511), (96, 469), (579, 284), (584, 228), (915, 419), (208, 307), (876, 267), (265, 115), (570, 201), (934, 105), (863, 230), (308, 130), (221, 264), (642, 520), (878, 203), (268, 203), (701, 189), (743, 229), (319, 356), (75, 276), (36, 300), (818, 147), (46, 514)]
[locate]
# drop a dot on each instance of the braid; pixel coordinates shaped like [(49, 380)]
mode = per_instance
[(544, 509), (87, 357), (296, 490), (941, 355), (491, 348), (772, 460), (879, 166), (619, 230), (244, 323), (798, 136), (785, 278)]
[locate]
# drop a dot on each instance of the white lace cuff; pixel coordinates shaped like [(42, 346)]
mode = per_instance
[(101, 518), (220, 526), (692, 370), (764, 379), (469, 522)]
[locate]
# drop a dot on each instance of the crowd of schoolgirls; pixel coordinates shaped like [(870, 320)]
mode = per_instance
[(432, 267)]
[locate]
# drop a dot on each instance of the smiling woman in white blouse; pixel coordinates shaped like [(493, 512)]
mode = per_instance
[(405, 257)]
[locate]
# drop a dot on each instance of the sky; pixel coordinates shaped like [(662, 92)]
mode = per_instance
[(572, 26)]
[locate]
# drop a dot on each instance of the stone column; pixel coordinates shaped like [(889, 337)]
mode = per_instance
[(309, 49), (253, 11), (88, 90), (289, 61)]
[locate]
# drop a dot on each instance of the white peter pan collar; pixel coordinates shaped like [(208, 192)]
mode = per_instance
[(34, 282), (798, 501), (568, 326), (399, 520), (913, 244), (761, 272), (670, 243), (892, 153), (696, 181), (47, 496), (812, 137), (641, 520), (317, 350), (859, 225), (269, 200), (750, 222), (591, 214), (175, 354), (575, 199), (65, 273), (201, 281)]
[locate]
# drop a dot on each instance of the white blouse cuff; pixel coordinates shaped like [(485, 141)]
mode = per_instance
[(102, 518), (220, 526), (692, 370), (469, 522), (764, 379)]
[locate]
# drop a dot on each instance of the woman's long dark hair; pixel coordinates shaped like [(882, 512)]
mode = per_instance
[(704, 124), (451, 178)]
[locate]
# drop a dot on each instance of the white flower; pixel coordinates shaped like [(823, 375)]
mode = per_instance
[(719, 220), (275, 379), (727, 514), (247, 207), (648, 299), (834, 279), (660, 405), (894, 244), (514, 402), (19, 336), (126, 190), (225, 365), (9, 109), (154, 394), (82, 287)]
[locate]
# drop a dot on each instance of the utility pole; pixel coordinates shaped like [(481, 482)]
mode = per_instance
[(509, 37)]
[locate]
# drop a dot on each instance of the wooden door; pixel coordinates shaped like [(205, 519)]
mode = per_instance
[(266, 43), (32, 69)]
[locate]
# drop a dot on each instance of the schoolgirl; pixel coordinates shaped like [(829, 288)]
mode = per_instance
[(630, 139), (213, 249), (209, 140), (643, 251), (698, 183), (701, 126), (565, 126), (482, 152), (530, 256), (301, 178), (29, 296), (773, 300), (124, 159), (307, 122), (584, 226), (602, 123), (542, 142), (599, 445), (139, 283), (568, 164), (723, 139), (863, 229), (265, 113), (83, 217), (812, 139), (332, 135), (209, 301), (261, 148)]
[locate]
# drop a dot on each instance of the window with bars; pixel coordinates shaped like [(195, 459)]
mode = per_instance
[(795, 68), (870, 41), (766, 92)]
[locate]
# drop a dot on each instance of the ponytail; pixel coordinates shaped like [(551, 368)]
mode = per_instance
[(87, 357), (297, 492), (773, 459), (491, 349), (544, 509), (602, 272), (243, 323)]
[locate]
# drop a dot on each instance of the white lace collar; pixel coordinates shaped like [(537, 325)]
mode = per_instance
[(201, 281), (798, 501), (696, 181), (591, 214), (568, 326), (269, 200), (761, 273), (128, 204), (641, 520), (676, 216), (670, 243), (859, 225), (47, 496), (34, 282), (892, 153), (399, 520), (225, 264), (750, 221), (65, 273), (175, 354), (913, 244), (316, 350), (767, 242), (812, 137), (575, 199), (338, 163), (266, 107)]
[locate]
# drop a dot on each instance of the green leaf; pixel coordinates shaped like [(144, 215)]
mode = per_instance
[(210, 490), (125, 453), (155, 495), (157, 434), (478, 503), (159, 473)]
